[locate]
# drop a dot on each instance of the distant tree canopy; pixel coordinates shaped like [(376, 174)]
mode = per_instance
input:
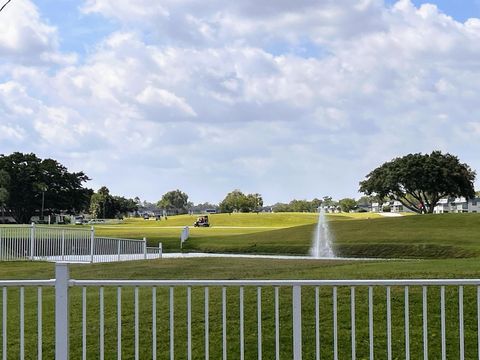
[(347, 204), (175, 201), (419, 181), (237, 201), (103, 205), (203, 206), (23, 179), (299, 206)]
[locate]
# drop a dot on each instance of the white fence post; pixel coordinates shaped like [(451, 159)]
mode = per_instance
[(160, 250), (61, 311), (92, 239), (63, 245), (297, 322), (118, 248), (32, 240), (144, 248)]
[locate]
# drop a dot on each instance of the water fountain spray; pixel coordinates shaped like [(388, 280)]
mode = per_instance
[(322, 239)]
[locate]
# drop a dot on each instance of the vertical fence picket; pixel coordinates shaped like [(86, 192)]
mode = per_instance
[(297, 322), (22, 323), (154, 323), (389, 324), (352, 326), (84, 323), (39, 324), (461, 323), (442, 323), (207, 329), (259, 323), (242, 339), (224, 322), (172, 330), (370, 321), (277, 324), (137, 325), (425, 322), (189, 323), (119, 323), (102, 325), (4, 324), (335, 324)]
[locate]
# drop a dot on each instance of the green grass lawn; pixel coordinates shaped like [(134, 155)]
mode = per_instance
[(439, 246), (356, 235), (249, 269)]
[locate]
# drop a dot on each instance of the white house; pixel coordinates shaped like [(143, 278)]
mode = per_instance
[(457, 205), (395, 206)]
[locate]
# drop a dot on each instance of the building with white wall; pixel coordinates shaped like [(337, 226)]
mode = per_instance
[(458, 205)]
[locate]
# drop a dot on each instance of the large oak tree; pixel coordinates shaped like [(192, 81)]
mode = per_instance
[(419, 181)]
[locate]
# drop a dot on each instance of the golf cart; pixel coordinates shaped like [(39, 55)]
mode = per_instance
[(202, 221)]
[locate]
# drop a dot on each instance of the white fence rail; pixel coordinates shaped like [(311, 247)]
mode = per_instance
[(246, 319), (69, 244)]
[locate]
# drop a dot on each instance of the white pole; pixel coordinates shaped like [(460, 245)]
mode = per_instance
[(118, 249), (160, 250), (32, 240), (297, 323), (144, 248), (63, 245), (92, 239), (61, 311)]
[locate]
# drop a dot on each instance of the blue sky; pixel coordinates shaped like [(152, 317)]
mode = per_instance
[(460, 10), (288, 99), (79, 32)]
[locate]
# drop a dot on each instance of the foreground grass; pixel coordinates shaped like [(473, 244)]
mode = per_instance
[(210, 268)]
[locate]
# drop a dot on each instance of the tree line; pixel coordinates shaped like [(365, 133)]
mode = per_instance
[(32, 186)]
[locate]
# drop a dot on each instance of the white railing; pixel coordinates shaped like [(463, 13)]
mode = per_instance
[(241, 319), (69, 244)]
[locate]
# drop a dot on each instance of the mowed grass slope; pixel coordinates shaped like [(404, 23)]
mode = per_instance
[(422, 236), (355, 235), (252, 233)]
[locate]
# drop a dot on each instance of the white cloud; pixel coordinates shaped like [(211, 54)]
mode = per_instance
[(220, 94), (26, 37), (157, 99)]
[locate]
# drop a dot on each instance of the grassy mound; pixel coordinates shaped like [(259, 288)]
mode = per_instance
[(426, 236), (355, 235)]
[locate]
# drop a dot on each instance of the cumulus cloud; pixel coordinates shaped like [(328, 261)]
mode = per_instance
[(25, 36), (284, 98)]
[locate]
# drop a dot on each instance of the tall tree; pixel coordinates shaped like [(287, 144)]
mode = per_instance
[(104, 205), (419, 181), (174, 200), (255, 201), (100, 203), (234, 201), (238, 201), (31, 178), (347, 204)]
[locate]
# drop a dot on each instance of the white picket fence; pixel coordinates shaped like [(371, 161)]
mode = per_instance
[(194, 318), (47, 243)]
